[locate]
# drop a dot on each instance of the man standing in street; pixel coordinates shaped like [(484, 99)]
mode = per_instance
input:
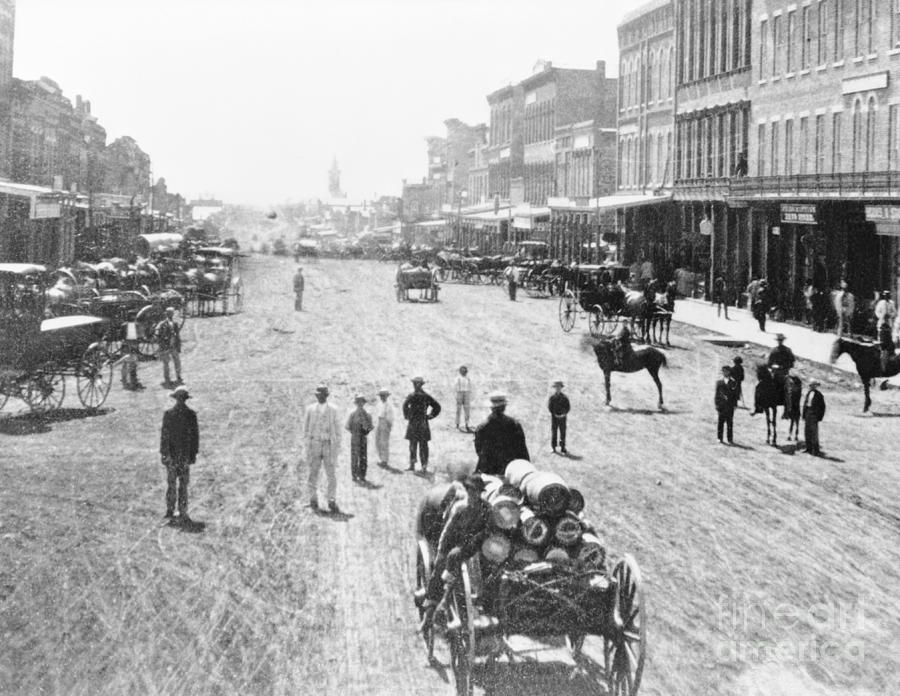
[(512, 279), (359, 423), (299, 284), (720, 296), (418, 409), (762, 300), (178, 445), (463, 387), (725, 401), (845, 304), (168, 338), (322, 431), (885, 315), (813, 413), (384, 422), (499, 440), (559, 411)]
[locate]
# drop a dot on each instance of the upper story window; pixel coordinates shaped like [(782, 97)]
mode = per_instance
[(895, 23), (763, 47), (805, 39), (838, 15), (776, 43), (822, 32), (791, 34)]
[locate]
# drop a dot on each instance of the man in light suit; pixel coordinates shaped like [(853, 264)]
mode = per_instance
[(322, 431)]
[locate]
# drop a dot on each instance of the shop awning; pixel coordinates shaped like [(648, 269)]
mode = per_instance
[(431, 223), (43, 201), (613, 202)]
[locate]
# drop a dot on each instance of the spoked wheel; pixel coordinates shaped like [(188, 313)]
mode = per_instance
[(461, 632), (144, 330), (567, 310), (423, 572), (94, 377), (625, 646), (611, 324), (46, 389)]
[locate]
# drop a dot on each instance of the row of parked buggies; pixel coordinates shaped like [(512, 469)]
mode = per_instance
[(78, 321)]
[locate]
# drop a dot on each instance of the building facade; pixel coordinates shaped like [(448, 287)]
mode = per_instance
[(7, 37)]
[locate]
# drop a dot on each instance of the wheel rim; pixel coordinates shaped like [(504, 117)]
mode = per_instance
[(94, 378), (46, 390), (462, 641), (567, 312), (624, 647), (422, 574)]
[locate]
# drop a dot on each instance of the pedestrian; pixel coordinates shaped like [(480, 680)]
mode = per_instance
[(178, 445), (720, 296), (299, 284), (384, 423), (725, 400), (130, 358), (761, 303), (462, 385), (168, 339), (419, 408), (813, 413), (359, 423), (885, 316), (737, 374), (559, 407), (512, 281), (845, 306), (752, 289), (322, 431), (499, 439)]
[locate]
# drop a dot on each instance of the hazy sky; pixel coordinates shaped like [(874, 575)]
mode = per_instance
[(249, 101)]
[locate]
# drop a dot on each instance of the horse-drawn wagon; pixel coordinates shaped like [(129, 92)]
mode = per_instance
[(540, 573), (38, 354), (411, 277), (214, 282), (593, 291)]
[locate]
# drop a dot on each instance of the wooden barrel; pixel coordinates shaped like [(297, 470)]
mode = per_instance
[(556, 554), (547, 493), (568, 530), (525, 554), (576, 500), (591, 551), (505, 507), (535, 530), (496, 548), (517, 471)]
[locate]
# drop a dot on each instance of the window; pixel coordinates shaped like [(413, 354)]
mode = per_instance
[(763, 47), (804, 39), (774, 157), (857, 150), (736, 58), (895, 23), (892, 137), (870, 135), (822, 31), (723, 39), (776, 42), (836, 134), (820, 144), (761, 150), (838, 14), (789, 146), (871, 16), (713, 39), (789, 49), (803, 149)]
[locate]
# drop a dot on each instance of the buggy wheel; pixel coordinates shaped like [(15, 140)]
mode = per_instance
[(610, 324), (625, 642), (46, 389), (461, 632), (423, 573), (567, 310), (94, 377)]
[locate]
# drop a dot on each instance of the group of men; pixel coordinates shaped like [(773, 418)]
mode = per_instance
[(168, 341)]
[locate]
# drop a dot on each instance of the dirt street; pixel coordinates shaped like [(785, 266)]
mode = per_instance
[(766, 572)]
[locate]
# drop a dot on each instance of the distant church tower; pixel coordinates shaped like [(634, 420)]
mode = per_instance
[(334, 180)]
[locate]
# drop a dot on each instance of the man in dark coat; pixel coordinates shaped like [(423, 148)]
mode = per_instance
[(499, 440), (416, 411), (761, 302), (559, 407), (813, 413), (725, 401), (178, 445), (781, 361)]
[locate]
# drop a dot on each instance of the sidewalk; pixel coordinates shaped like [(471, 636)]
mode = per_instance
[(741, 325)]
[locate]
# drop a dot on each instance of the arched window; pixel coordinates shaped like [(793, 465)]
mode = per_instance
[(857, 136), (660, 159), (650, 80), (870, 135)]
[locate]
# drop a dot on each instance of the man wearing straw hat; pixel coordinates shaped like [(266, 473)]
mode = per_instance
[(416, 410), (322, 430), (178, 445), (359, 423), (499, 440), (384, 422), (559, 407), (813, 413)]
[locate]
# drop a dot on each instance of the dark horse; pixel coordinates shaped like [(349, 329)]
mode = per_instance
[(664, 308), (648, 359), (867, 357), (773, 391)]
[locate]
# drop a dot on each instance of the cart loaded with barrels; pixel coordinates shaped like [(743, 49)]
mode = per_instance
[(540, 575), (411, 277)]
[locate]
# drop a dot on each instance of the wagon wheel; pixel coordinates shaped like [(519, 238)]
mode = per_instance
[(94, 377), (567, 311), (610, 324), (7, 388), (423, 573), (46, 389), (112, 340), (145, 325), (625, 643), (461, 632), (596, 321)]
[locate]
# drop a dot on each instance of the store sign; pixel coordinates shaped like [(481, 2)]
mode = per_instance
[(45, 210), (883, 213), (798, 214)]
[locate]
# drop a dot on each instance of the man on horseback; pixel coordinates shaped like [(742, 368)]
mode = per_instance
[(781, 361), (621, 348)]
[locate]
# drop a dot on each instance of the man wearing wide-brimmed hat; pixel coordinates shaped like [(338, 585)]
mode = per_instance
[(499, 440), (419, 408), (168, 339), (559, 407), (384, 423), (359, 423), (178, 446), (322, 430), (813, 413)]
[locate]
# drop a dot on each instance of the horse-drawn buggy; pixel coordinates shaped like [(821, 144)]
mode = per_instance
[(214, 284), (596, 292), (38, 354), (538, 573), (411, 277)]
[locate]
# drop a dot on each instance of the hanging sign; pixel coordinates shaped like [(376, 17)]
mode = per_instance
[(798, 213)]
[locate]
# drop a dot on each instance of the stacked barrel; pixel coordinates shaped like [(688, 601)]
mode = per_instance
[(538, 517)]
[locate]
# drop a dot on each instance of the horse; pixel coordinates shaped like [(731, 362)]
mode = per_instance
[(638, 308), (770, 393), (867, 358), (648, 358), (662, 315)]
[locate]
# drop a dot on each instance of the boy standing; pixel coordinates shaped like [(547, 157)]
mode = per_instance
[(726, 395), (813, 413), (463, 387), (559, 409), (360, 425), (384, 422)]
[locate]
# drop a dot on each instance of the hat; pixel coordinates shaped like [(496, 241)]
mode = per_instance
[(814, 383), (384, 390), (557, 383), (726, 369), (170, 309), (359, 398), (322, 389), (738, 359), (418, 380), (497, 398), (180, 392), (779, 337)]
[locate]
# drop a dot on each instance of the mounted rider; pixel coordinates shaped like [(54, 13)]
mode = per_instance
[(781, 361), (621, 348)]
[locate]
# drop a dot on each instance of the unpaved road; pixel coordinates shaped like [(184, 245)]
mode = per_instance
[(766, 572)]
